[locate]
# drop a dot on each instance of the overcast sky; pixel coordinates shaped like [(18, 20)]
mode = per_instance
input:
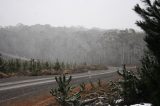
[(106, 14)]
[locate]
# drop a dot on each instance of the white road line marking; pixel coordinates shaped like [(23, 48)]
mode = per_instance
[(32, 80), (46, 81), (25, 81)]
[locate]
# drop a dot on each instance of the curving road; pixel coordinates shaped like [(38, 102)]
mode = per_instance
[(15, 88)]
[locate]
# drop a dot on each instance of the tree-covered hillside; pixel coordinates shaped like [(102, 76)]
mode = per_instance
[(72, 44)]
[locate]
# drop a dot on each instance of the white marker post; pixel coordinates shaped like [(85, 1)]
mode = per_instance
[(89, 74)]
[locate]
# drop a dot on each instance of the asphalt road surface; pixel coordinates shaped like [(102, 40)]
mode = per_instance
[(16, 88)]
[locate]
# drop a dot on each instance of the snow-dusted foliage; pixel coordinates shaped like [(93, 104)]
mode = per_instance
[(142, 104)]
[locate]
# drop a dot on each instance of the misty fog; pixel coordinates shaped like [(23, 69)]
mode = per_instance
[(72, 44)]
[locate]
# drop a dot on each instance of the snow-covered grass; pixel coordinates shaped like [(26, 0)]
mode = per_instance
[(142, 104), (119, 100)]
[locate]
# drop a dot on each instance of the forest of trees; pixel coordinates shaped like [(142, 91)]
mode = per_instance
[(72, 44)]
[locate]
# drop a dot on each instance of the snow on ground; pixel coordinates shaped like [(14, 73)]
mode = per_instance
[(119, 100), (142, 104)]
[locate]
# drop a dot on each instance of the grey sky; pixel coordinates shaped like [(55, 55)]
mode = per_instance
[(106, 14)]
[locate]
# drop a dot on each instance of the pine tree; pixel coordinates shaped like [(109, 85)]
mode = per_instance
[(62, 92), (129, 87), (1, 64), (38, 64), (150, 72), (57, 65)]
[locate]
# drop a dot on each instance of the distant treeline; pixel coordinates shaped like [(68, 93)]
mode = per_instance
[(73, 44)]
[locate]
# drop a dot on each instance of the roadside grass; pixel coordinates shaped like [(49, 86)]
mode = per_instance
[(68, 70)]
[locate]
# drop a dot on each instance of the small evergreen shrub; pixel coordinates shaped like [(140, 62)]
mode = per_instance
[(62, 93), (129, 87), (57, 65)]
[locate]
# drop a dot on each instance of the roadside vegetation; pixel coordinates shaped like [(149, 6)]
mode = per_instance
[(32, 67), (83, 94), (14, 67), (63, 92)]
